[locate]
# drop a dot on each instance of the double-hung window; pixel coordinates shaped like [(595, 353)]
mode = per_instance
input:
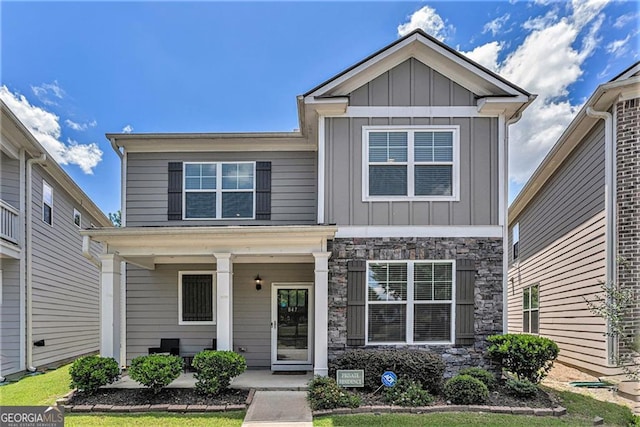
[(515, 236), (415, 162), (410, 302), (196, 298), (47, 203), (219, 190), (531, 309)]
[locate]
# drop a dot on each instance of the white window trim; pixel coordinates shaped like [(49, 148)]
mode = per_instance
[(410, 303), (515, 230), (218, 191), (44, 203), (455, 179), (213, 297), (529, 310), (79, 214)]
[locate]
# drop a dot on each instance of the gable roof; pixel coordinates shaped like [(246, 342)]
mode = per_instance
[(432, 52)]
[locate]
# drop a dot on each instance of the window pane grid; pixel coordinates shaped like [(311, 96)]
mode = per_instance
[(530, 309)]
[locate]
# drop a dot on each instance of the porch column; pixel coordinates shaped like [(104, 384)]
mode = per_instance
[(110, 306), (224, 301), (321, 313)]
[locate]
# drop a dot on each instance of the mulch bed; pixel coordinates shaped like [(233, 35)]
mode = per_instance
[(170, 396)]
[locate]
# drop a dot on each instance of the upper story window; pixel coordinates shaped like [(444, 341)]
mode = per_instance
[(77, 218), (515, 233), (411, 162), (219, 190), (410, 302), (47, 203)]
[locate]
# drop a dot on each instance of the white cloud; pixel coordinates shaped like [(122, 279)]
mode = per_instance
[(46, 90), (486, 55), (428, 20), (45, 127), (80, 126), (541, 22), (495, 26), (619, 47), (127, 129), (625, 19)]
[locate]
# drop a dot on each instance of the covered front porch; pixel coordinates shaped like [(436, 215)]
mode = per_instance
[(198, 285)]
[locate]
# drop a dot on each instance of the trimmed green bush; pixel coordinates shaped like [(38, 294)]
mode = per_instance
[(215, 369), (416, 365), (407, 393), (325, 393), (466, 390), (89, 373), (528, 357), (155, 371), (521, 388), (488, 378)]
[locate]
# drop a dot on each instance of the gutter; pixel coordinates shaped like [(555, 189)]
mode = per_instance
[(609, 213), (28, 242)]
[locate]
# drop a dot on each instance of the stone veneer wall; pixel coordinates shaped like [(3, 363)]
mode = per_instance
[(628, 203), (487, 254)]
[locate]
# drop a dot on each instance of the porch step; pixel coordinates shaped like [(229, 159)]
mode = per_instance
[(279, 408)]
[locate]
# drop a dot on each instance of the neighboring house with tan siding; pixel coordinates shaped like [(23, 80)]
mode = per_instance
[(574, 222), (49, 292), (380, 223)]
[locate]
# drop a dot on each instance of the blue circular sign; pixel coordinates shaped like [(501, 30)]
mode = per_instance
[(389, 379)]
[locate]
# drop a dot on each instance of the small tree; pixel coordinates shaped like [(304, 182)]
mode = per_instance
[(116, 218)]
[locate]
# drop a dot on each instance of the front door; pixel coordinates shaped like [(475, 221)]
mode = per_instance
[(291, 326)]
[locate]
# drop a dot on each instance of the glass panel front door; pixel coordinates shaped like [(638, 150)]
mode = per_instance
[(291, 325)]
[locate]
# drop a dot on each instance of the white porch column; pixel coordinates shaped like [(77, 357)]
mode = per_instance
[(224, 301), (321, 315), (110, 306)]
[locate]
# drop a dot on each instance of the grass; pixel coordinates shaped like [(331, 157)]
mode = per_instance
[(38, 390), (226, 419)]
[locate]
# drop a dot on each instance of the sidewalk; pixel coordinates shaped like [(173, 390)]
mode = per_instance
[(279, 408)]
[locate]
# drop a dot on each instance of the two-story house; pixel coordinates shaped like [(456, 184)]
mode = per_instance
[(380, 223), (575, 227), (49, 292)]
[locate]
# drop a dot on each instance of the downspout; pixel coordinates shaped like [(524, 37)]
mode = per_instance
[(28, 242), (609, 215), (86, 252)]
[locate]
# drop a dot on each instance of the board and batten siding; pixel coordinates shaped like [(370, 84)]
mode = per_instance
[(479, 171), (152, 309), (411, 83), (66, 286), (10, 180), (10, 316), (293, 186)]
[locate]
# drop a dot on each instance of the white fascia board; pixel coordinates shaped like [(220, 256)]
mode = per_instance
[(165, 146), (411, 112), (9, 148), (419, 231)]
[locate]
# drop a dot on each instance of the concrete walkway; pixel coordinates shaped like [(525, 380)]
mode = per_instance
[(279, 408)]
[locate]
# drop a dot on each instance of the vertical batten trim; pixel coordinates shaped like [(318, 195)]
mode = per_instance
[(321, 172)]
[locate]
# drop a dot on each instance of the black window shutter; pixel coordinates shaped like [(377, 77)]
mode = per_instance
[(356, 294), (263, 190), (174, 205), (465, 285)]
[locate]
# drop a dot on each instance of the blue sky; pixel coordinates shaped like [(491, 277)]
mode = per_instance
[(73, 71)]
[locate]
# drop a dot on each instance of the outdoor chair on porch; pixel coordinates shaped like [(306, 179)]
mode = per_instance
[(167, 345), (214, 345)]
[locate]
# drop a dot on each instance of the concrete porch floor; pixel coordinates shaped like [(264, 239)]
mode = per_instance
[(256, 379)]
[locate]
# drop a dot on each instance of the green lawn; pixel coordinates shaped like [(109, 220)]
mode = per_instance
[(38, 390)]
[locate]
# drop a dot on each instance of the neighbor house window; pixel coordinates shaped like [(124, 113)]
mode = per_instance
[(196, 298), (410, 162), (410, 302), (77, 218), (219, 190), (47, 203), (530, 309), (515, 232)]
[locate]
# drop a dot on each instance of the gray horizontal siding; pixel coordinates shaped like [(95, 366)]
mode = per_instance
[(10, 180), (66, 286), (479, 173), (573, 195), (568, 270), (10, 317), (411, 83), (293, 186)]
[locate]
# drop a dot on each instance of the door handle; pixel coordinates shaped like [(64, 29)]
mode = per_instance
[(274, 324)]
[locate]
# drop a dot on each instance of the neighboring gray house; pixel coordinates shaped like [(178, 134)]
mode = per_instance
[(381, 223), (49, 292), (574, 223)]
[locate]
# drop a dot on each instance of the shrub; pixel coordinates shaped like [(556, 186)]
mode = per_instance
[(215, 369), (521, 388), (420, 366), (488, 378), (466, 390), (89, 373), (325, 393), (528, 357), (407, 393), (155, 370)]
